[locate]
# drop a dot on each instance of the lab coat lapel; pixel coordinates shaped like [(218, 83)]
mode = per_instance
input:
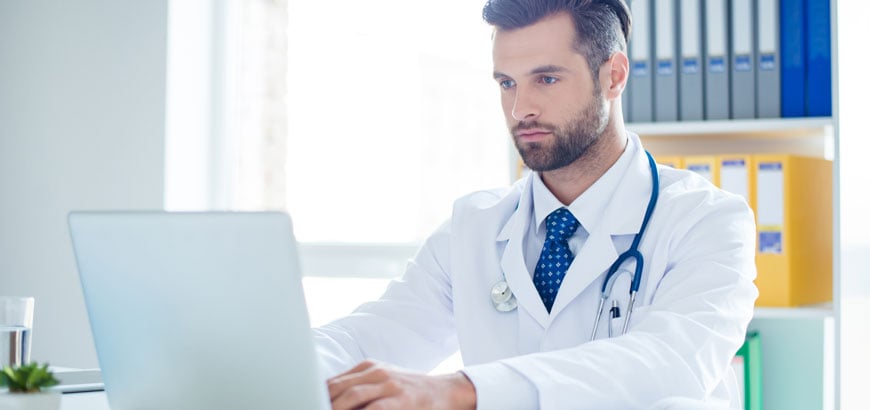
[(513, 263), (595, 256), (623, 216)]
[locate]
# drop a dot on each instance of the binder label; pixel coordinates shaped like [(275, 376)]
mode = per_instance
[(690, 66), (767, 62), (717, 64), (665, 67), (770, 166), (768, 26), (716, 26), (640, 68), (734, 178), (743, 63), (770, 203), (641, 30), (770, 242), (690, 28)]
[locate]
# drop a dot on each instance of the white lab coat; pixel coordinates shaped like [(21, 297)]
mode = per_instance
[(694, 304)]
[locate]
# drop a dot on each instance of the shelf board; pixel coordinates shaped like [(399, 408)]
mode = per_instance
[(755, 128), (804, 312)]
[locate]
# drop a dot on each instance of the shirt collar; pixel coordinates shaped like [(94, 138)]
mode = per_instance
[(589, 206)]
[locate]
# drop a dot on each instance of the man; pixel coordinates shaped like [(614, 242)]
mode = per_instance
[(561, 66)]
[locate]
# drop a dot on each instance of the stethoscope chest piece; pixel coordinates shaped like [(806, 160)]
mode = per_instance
[(502, 297)]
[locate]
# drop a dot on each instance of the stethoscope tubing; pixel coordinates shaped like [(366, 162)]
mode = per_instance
[(632, 252)]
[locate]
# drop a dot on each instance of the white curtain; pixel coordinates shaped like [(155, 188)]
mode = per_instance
[(254, 112)]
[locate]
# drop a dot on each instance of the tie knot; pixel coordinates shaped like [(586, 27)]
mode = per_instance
[(561, 224)]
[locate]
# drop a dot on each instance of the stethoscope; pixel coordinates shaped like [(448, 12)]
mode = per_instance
[(504, 300)]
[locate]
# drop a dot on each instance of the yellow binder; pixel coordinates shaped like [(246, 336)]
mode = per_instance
[(704, 165), (794, 216), (671, 161), (737, 175)]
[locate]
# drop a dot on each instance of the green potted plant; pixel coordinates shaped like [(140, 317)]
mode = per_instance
[(25, 386)]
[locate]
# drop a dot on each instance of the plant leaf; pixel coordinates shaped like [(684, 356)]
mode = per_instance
[(28, 378), (14, 380), (4, 379), (34, 378)]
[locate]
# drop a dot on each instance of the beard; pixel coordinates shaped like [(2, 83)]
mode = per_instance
[(569, 142)]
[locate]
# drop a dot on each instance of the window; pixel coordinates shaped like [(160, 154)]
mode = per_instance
[(365, 120), (392, 115)]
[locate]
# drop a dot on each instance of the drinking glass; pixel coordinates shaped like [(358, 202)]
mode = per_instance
[(16, 325)]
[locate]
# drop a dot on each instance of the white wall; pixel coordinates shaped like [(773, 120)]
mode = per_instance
[(82, 107), (852, 242)]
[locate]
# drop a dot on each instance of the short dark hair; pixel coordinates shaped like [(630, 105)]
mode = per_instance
[(602, 27)]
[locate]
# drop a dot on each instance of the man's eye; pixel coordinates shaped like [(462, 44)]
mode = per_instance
[(507, 84), (549, 80)]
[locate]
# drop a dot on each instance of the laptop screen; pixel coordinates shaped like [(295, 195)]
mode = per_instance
[(197, 310)]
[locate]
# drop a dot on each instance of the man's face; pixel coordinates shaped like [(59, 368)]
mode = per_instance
[(554, 109)]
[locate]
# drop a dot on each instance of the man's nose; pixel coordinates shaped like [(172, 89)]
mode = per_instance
[(525, 106)]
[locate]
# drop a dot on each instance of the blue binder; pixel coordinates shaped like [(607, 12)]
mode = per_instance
[(794, 70), (818, 32)]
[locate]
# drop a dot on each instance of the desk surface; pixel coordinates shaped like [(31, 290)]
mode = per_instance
[(84, 401)]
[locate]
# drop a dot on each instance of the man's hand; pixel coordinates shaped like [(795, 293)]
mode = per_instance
[(372, 385)]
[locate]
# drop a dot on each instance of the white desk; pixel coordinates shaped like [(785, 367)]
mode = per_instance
[(84, 401)]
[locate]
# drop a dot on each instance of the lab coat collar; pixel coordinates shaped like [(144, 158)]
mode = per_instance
[(624, 213), (517, 221)]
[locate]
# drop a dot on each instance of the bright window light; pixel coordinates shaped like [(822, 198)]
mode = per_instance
[(393, 114)]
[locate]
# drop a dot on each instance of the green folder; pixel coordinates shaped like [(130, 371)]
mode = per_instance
[(750, 353)]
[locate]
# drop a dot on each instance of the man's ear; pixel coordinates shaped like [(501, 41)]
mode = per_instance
[(615, 75)]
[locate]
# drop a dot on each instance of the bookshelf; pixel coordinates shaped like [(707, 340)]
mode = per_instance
[(816, 356), (754, 128), (798, 343), (812, 137)]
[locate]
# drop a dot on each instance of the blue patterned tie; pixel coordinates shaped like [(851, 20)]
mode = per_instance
[(555, 256)]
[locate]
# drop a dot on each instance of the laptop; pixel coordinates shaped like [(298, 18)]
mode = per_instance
[(197, 310)]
